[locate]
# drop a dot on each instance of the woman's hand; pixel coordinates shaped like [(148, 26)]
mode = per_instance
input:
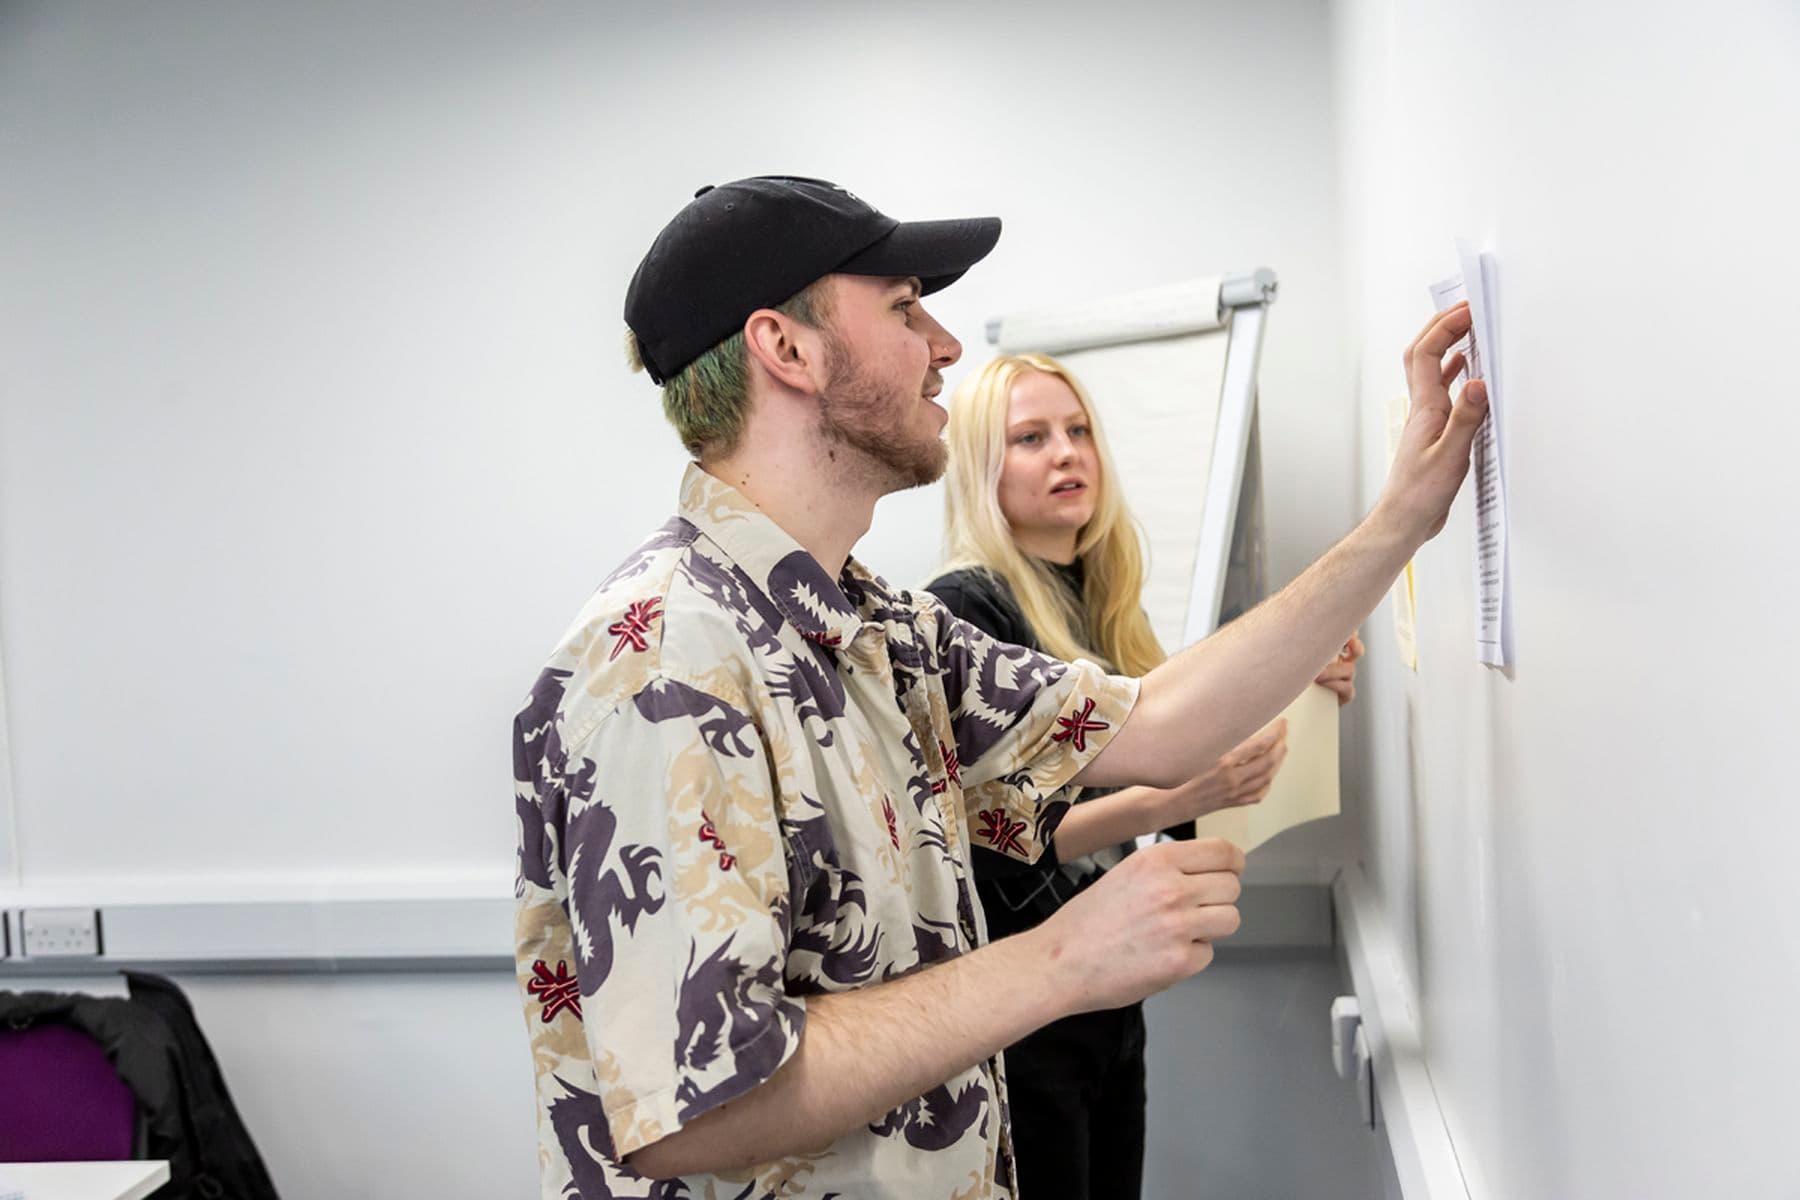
[(1340, 673), (1241, 777)]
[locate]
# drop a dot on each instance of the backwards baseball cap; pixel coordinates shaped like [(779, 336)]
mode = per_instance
[(755, 243)]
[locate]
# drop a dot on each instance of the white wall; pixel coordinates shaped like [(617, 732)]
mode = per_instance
[(349, 276), (316, 431), (403, 1085), (1593, 859)]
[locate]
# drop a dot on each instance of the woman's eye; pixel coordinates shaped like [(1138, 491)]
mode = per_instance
[(1026, 439)]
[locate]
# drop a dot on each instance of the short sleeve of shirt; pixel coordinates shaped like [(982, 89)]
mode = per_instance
[(678, 899), (1025, 724)]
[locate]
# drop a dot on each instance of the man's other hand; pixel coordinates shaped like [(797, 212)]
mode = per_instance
[(1147, 923)]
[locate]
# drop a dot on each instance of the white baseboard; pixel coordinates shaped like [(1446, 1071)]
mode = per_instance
[(1424, 1157)]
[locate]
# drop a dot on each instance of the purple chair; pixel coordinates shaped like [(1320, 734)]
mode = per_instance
[(60, 1099)]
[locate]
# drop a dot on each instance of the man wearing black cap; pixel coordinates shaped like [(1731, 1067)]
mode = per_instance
[(749, 778)]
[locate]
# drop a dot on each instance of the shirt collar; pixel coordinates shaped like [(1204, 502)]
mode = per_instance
[(813, 603)]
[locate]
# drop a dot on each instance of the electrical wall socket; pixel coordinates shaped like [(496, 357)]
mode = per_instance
[(59, 932)]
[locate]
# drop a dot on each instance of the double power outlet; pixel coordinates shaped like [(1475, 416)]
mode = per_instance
[(53, 933)]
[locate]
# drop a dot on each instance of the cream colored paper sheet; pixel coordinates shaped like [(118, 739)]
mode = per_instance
[(1306, 787)]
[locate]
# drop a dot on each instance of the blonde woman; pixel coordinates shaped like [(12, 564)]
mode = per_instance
[(1042, 551)]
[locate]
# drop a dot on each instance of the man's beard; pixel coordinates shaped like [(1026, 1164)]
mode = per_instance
[(856, 415)]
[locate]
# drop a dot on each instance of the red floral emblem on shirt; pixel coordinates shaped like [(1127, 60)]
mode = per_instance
[(887, 810), (711, 836), (1076, 728), (952, 769), (630, 630), (559, 991), (1001, 832)]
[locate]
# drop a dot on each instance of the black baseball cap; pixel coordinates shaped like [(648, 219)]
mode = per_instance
[(755, 243)]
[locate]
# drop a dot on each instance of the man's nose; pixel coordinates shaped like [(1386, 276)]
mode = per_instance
[(945, 349)]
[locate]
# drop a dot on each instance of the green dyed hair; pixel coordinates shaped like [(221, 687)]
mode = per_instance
[(707, 399)]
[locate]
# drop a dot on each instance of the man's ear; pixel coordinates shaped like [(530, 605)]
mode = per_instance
[(787, 350)]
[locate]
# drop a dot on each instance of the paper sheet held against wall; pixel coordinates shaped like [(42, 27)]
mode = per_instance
[(1493, 617)]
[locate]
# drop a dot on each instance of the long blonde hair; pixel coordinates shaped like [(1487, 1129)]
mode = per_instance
[(1108, 625)]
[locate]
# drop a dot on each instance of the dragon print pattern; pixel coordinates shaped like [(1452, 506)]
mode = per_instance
[(741, 783)]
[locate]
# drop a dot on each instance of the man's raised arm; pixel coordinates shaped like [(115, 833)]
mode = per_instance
[(1201, 702)]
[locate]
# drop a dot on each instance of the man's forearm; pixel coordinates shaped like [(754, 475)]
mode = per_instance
[(1206, 699), (865, 1053)]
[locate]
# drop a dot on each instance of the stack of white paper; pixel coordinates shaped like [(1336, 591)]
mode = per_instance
[(1478, 284)]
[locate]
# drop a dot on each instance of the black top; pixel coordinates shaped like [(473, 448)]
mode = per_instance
[(984, 600), (1017, 895)]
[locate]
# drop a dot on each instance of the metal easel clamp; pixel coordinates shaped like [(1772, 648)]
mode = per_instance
[(1252, 287)]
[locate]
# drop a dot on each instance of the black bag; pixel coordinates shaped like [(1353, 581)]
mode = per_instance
[(156, 1046)]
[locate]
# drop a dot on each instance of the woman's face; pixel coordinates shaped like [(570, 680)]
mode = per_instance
[(1050, 476)]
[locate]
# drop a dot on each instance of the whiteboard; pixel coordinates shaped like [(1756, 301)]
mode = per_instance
[(1160, 404)]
